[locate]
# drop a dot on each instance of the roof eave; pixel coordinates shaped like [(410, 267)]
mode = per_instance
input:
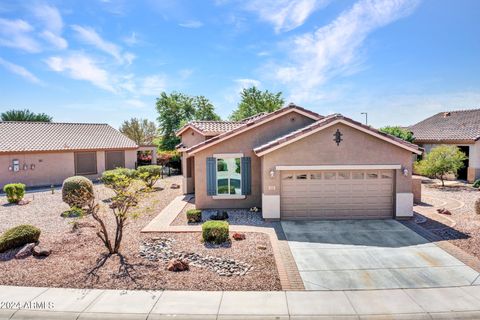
[(249, 125), (261, 151)]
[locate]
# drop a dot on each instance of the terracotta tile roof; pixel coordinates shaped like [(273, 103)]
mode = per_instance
[(53, 136), (458, 125), (214, 127), (321, 123), (249, 123)]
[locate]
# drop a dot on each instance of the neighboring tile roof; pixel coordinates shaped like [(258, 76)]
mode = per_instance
[(217, 127), (458, 125), (321, 123), (16, 136), (249, 123), (254, 117), (214, 127)]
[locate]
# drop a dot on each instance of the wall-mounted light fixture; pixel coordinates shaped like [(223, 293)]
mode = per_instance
[(272, 173), (25, 167), (32, 166), (405, 171), (10, 168)]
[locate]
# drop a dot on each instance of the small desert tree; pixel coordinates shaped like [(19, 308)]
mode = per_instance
[(440, 161), (120, 206), (142, 131)]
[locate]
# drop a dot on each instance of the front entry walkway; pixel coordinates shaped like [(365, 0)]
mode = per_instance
[(371, 254)]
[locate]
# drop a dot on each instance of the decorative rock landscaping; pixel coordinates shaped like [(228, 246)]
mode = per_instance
[(161, 249)]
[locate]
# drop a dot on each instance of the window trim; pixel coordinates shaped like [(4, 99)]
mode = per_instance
[(227, 196), (75, 162)]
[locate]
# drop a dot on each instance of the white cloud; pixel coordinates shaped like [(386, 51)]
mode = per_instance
[(246, 83), (91, 37), (81, 67), (285, 15), (18, 34), (152, 85), (51, 18), (19, 70), (333, 49), (55, 40), (191, 24)]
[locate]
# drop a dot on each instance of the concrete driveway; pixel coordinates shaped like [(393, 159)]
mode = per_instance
[(370, 254)]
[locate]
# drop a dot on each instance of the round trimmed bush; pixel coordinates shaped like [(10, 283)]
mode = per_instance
[(215, 231), (77, 191), (194, 215), (18, 236), (14, 191)]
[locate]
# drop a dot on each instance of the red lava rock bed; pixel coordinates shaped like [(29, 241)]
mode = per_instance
[(76, 253)]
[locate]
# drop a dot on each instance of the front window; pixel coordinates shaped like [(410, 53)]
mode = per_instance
[(229, 178)]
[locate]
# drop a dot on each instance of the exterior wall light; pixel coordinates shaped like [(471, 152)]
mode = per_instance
[(10, 168), (272, 173), (32, 166), (405, 172), (25, 167)]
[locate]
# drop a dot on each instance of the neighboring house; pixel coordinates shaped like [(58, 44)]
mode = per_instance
[(460, 128), (296, 164), (42, 153)]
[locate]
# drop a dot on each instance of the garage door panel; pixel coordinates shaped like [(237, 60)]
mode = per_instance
[(341, 194)]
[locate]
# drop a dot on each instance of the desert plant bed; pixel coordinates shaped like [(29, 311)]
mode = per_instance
[(235, 217), (465, 232), (76, 251)]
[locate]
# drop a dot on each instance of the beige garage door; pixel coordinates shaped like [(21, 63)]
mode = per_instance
[(337, 194)]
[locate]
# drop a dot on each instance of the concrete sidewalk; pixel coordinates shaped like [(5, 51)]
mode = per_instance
[(56, 303)]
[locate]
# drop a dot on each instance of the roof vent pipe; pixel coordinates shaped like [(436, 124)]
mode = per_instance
[(446, 114)]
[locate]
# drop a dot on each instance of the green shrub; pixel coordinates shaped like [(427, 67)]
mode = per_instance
[(119, 179), (149, 174), (109, 176), (18, 236), (476, 184), (14, 191), (74, 212), (194, 215), (215, 231), (77, 191)]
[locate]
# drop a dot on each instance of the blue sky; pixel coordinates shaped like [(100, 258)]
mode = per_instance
[(107, 61)]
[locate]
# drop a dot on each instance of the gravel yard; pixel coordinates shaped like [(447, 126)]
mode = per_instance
[(235, 217), (76, 253), (465, 232)]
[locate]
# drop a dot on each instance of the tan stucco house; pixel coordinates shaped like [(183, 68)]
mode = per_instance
[(297, 164), (44, 154), (460, 128)]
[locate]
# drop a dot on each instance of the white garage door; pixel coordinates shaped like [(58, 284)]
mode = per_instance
[(337, 194)]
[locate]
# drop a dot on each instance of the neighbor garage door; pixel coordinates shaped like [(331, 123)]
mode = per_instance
[(337, 194), (114, 159)]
